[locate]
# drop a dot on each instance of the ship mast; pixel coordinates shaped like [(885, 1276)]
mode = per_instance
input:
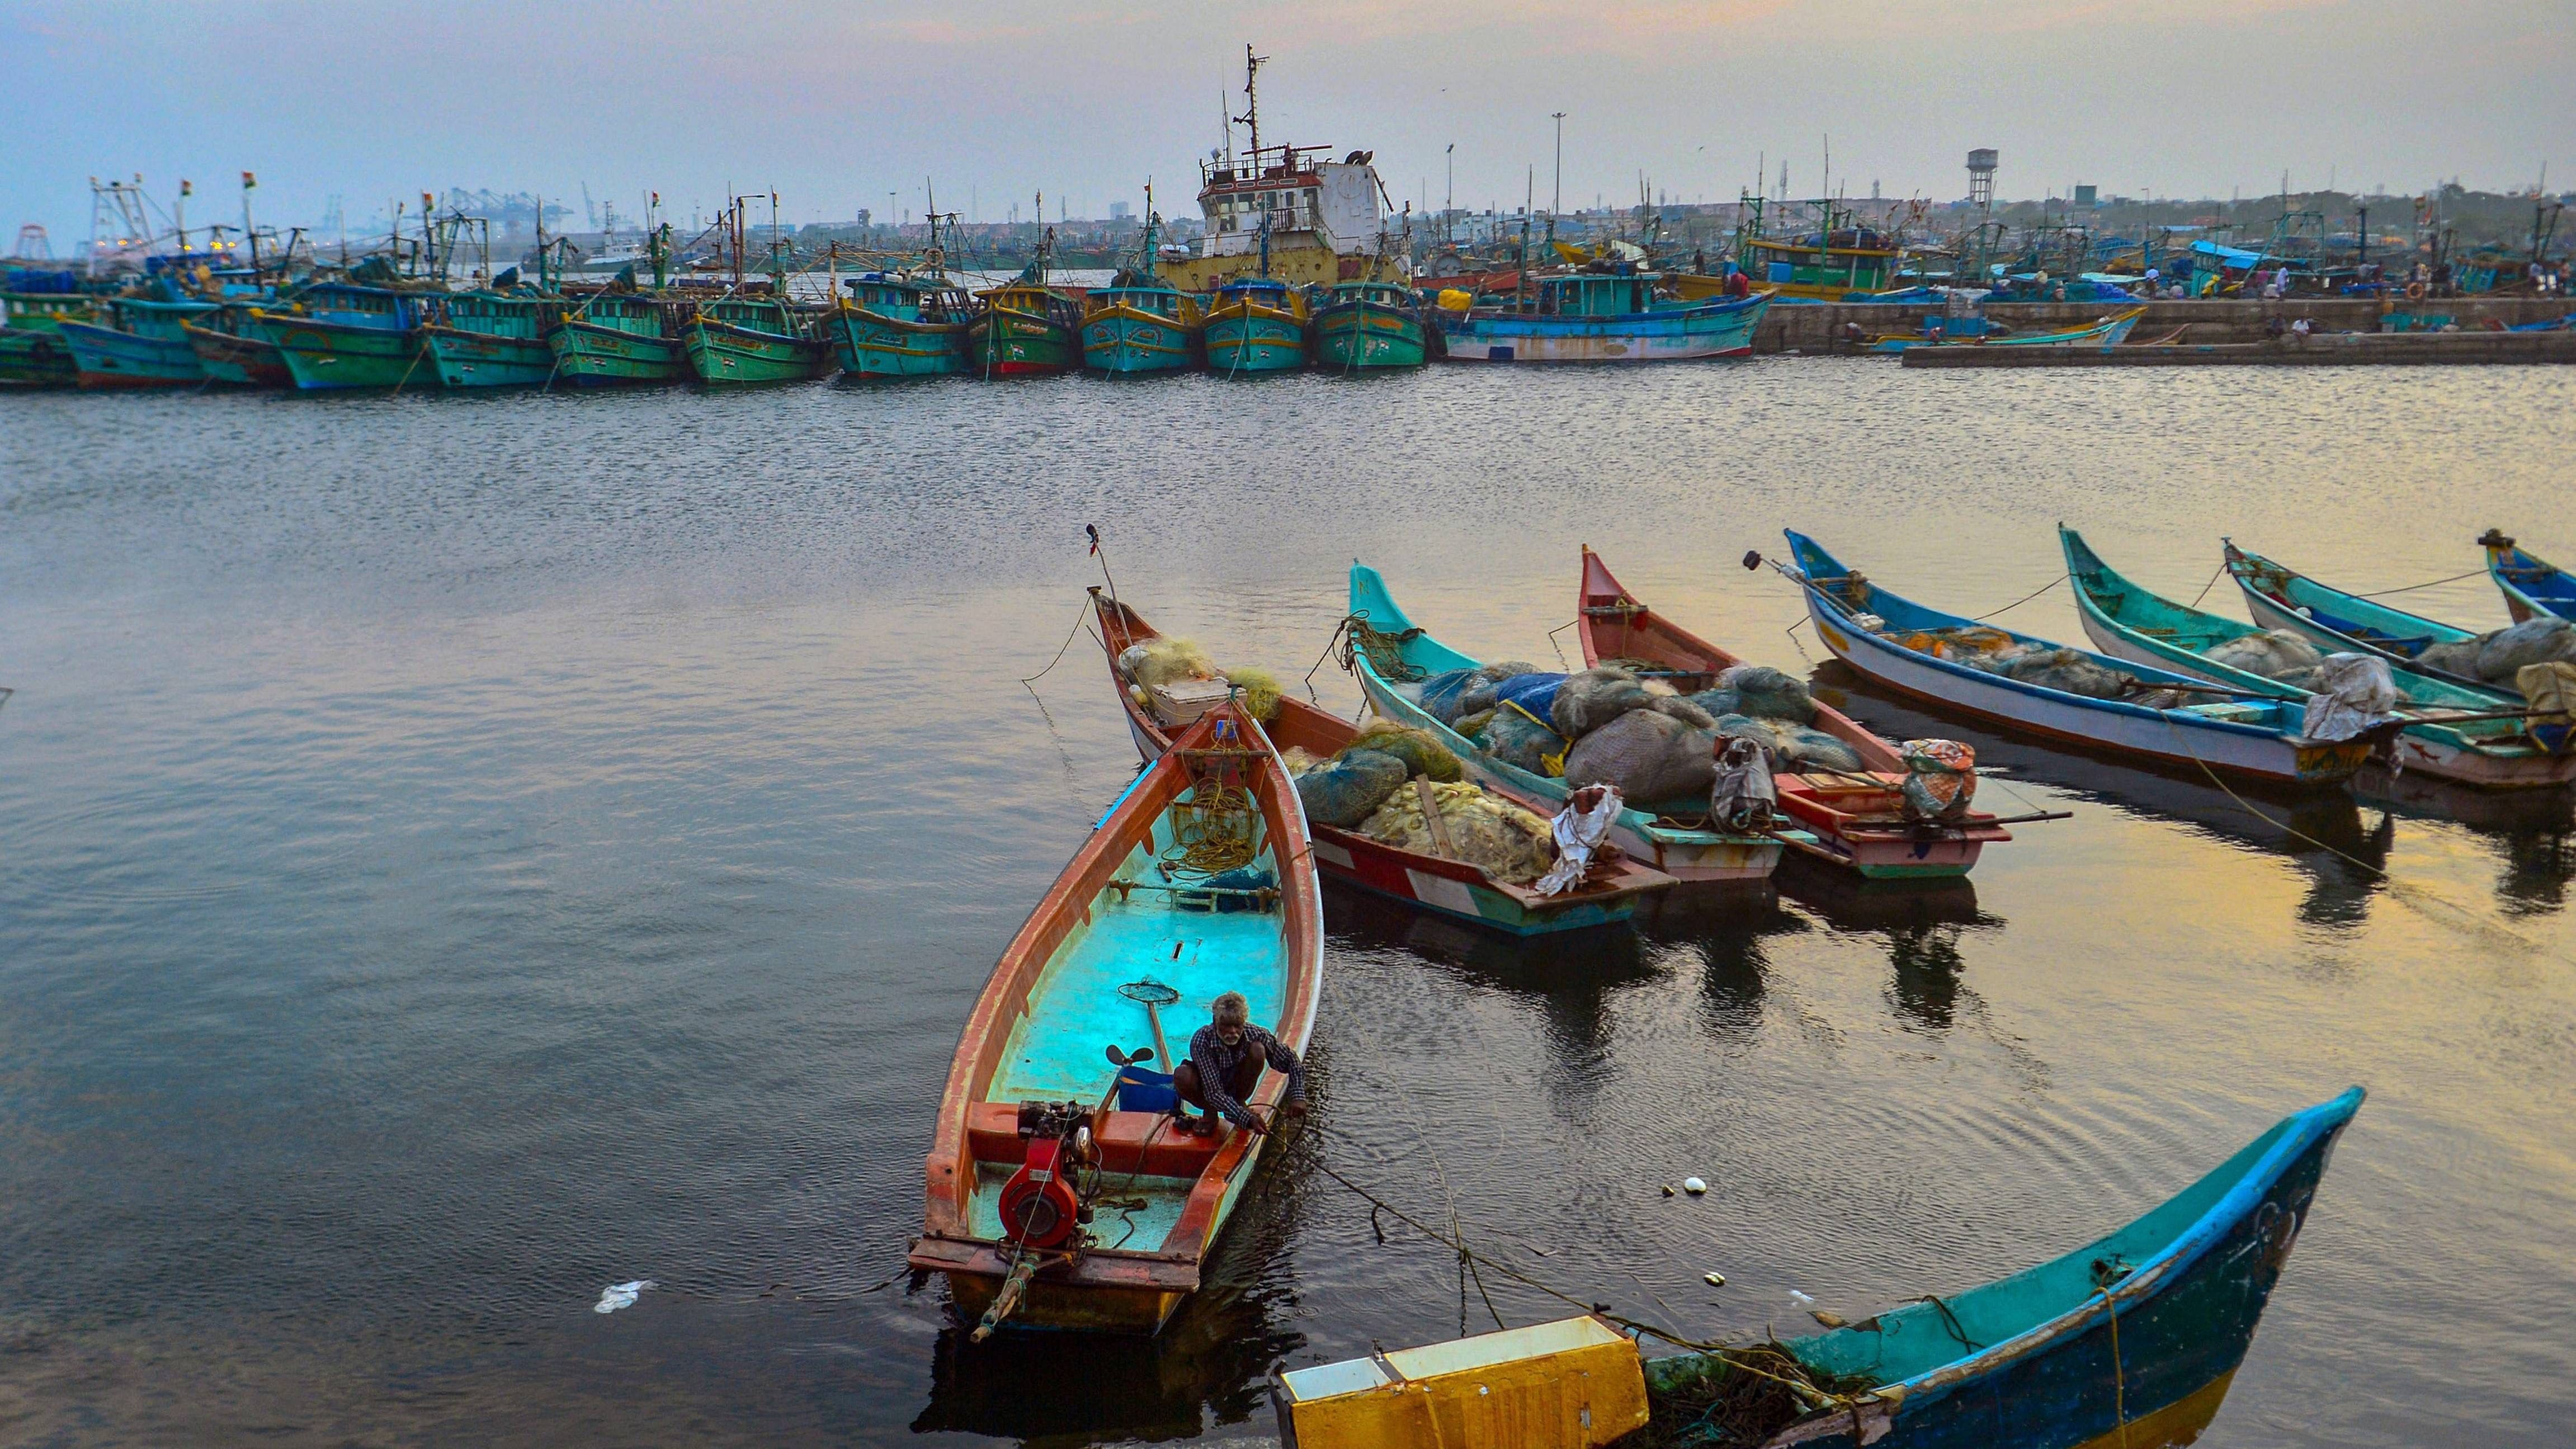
[(1252, 102)]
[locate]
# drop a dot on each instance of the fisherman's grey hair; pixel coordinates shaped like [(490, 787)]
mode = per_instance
[(1230, 1009)]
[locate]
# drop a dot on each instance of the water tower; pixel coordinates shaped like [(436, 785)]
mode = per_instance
[(1981, 177)]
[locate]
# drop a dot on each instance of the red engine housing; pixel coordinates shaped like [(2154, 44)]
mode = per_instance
[(1039, 1208)]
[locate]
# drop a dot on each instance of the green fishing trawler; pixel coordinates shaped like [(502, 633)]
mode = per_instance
[(1369, 325), (733, 341), (232, 348), (896, 325), (618, 338), (1027, 328), (32, 350), (495, 337)]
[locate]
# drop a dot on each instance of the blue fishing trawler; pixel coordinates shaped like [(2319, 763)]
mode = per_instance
[(1601, 316), (139, 342)]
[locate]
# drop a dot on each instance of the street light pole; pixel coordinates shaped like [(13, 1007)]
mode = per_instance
[(1558, 204), (1449, 203)]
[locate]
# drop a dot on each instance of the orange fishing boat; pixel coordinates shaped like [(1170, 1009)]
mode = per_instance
[(1060, 1195), (1858, 819), (1609, 892)]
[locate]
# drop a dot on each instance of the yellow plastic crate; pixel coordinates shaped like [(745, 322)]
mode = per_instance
[(1572, 1384)]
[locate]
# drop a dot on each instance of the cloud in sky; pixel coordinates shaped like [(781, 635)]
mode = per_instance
[(835, 106)]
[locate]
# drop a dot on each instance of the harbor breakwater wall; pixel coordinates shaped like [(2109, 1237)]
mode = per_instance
[(1821, 327)]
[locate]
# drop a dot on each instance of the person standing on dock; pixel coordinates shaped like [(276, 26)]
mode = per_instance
[(1226, 1057)]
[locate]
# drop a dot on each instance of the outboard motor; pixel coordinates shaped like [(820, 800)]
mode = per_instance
[(1041, 1205)]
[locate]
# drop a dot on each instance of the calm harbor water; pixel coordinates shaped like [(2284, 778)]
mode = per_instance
[(458, 853)]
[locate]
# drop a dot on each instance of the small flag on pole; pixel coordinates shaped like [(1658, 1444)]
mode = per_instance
[(1094, 530), (249, 181)]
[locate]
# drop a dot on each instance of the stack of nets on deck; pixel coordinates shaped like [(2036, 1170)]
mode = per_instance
[(1166, 660), (1743, 1398), (1369, 787), (1614, 725), (1993, 651), (2275, 654), (2498, 658)]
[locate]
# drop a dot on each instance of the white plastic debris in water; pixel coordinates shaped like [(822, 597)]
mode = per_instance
[(620, 1295), (1694, 1186), (1714, 1280), (1801, 1297)]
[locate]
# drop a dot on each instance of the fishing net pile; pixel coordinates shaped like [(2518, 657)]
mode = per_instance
[(1614, 724), (1164, 661), (1369, 786), (1993, 651), (1737, 1400), (2275, 654), (2500, 657)]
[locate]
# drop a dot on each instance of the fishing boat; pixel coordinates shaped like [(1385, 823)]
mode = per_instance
[(2131, 1340), (2280, 597), (1601, 317), (1140, 326), (736, 341), (1256, 324), (1918, 650), (32, 350), (2106, 334), (335, 336), (233, 348), (1367, 325), (1026, 328), (617, 338), (136, 342), (495, 337), (2533, 587), (899, 324), (1388, 654), (1858, 821), (1286, 212), (1846, 264), (1059, 1198), (2128, 622), (1434, 882)]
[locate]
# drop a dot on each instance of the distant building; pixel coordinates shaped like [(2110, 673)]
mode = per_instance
[(864, 219), (1121, 211), (2084, 195)]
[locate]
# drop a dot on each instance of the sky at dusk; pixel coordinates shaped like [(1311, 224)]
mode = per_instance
[(837, 105)]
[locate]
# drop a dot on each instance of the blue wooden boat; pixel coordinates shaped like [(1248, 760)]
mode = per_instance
[(1021, 1157), (1919, 651), (1140, 327), (2130, 623), (1455, 888), (2533, 587), (1602, 317), (1389, 657), (137, 343), (2280, 597), (1256, 324), (2104, 335), (895, 324), (2129, 1342), (618, 338)]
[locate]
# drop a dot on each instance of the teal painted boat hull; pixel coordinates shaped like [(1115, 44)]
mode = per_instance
[(2132, 1339), (478, 359), (1127, 344), (337, 356), (866, 344), (36, 357), (724, 355), (1255, 344), (2532, 586), (2128, 622), (2279, 597), (108, 357), (590, 355), (1362, 336), (1687, 854)]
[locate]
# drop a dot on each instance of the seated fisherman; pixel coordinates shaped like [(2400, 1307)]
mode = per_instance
[(1226, 1058)]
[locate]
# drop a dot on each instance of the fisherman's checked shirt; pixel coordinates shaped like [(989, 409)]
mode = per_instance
[(1218, 1062)]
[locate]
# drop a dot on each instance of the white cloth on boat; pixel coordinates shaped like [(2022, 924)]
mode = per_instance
[(2354, 692), (1578, 834)]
